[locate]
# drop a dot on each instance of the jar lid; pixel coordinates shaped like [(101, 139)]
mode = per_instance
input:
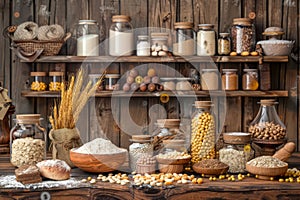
[(173, 142), (87, 21), (237, 138), (162, 35), (112, 75), (203, 104), (56, 73), (37, 73), (206, 26), (242, 21), (95, 75), (268, 102), (28, 118), (168, 123), (140, 138), (143, 37), (250, 70), (209, 70), (229, 70), (121, 18), (183, 25), (224, 34)]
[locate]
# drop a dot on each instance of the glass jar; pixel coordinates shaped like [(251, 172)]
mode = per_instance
[(143, 46), (28, 140), (94, 78), (267, 124), (56, 81), (230, 79), (236, 152), (206, 40), (141, 146), (184, 44), (38, 82), (87, 34), (243, 35), (224, 44), (250, 79), (121, 42), (203, 132), (172, 145), (112, 82), (209, 79), (159, 44)]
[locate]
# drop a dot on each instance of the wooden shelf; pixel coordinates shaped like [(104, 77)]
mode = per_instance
[(273, 93), (167, 59)]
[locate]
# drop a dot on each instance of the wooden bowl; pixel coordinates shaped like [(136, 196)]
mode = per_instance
[(168, 161), (170, 168), (97, 163), (210, 171), (266, 172)]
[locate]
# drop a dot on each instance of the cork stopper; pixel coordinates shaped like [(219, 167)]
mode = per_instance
[(56, 73), (203, 104), (268, 102), (206, 26), (183, 25), (237, 138), (121, 18), (28, 118), (37, 73), (242, 21), (141, 138)]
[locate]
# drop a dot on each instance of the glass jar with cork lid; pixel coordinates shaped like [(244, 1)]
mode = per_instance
[(184, 44), (206, 40), (56, 80), (38, 82), (230, 79)]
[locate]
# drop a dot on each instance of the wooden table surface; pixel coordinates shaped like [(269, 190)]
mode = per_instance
[(249, 188)]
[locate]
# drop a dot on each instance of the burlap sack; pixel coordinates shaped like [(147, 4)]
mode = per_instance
[(62, 140)]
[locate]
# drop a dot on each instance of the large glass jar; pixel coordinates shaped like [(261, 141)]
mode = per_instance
[(121, 42), (203, 132), (27, 140), (267, 124), (224, 44), (87, 34), (236, 152), (184, 44), (243, 35), (250, 79), (141, 146), (210, 79), (206, 40)]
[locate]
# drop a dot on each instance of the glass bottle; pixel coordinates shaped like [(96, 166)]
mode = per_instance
[(206, 40), (28, 140), (224, 44), (121, 42), (38, 82), (209, 79), (236, 152), (87, 34), (203, 132), (267, 124), (56, 81), (243, 35), (143, 46), (184, 44), (250, 79), (230, 79)]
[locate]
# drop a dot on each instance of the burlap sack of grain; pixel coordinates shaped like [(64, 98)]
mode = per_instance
[(62, 140)]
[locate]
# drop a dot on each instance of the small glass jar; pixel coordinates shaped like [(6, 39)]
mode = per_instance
[(87, 34), (243, 35), (210, 79), (56, 81), (250, 79), (143, 46), (184, 44), (28, 140), (112, 82), (224, 44), (38, 82), (141, 145), (203, 132), (230, 79), (159, 44), (236, 152), (206, 40), (183, 83), (172, 145), (121, 42), (94, 78)]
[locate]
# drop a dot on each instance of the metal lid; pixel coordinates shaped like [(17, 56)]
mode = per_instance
[(121, 18), (183, 25), (38, 73)]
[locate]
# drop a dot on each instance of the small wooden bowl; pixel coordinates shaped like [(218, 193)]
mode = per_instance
[(210, 171), (142, 169), (168, 161), (97, 163), (163, 168), (266, 172)]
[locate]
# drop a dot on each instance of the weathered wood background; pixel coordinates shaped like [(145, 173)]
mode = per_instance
[(98, 119)]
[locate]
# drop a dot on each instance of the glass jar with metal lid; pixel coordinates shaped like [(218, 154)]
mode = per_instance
[(184, 44), (250, 79), (121, 38), (27, 140), (143, 46), (224, 44), (206, 40), (56, 80), (210, 79), (87, 34), (230, 79), (243, 35), (38, 82)]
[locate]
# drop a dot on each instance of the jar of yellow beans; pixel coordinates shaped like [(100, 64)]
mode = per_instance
[(56, 79), (38, 81)]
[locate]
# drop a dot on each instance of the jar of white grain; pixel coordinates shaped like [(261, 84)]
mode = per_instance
[(184, 44), (206, 40)]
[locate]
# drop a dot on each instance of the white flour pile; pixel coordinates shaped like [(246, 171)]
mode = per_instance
[(99, 146)]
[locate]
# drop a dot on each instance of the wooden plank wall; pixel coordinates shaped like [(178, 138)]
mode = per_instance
[(108, 118)]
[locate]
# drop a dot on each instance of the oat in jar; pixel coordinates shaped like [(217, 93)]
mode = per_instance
[(230, 79), (210, 79)]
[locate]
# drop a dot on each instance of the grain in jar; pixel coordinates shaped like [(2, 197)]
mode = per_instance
[(203, 132), (143, 46), (210, 79), (206, 40), (224, 44), (184, 44), (250, 79), (230, 79), (38, 82), (56, 81)]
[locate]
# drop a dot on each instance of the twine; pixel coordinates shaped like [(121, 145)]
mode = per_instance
[(51, 32), (26, 31)]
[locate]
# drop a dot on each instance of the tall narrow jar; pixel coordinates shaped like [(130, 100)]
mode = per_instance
[(121, 41)]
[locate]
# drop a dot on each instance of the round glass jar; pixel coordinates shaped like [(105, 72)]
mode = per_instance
[(236, 152), (210, 79), (94, 78), (230, 79), (56, 79), (28, 140), (87, 34), (38, 82), (121, 42), (267, 124), (224, 44), (159, 44), (243, 35), (203, 132), (184, 44), (206, 40), (112, 82), (141, 145), (143, 46), (250, 79)]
